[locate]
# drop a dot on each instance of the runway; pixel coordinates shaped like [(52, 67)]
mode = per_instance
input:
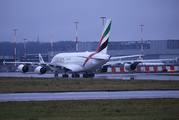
[(88, 95), (139, 76)]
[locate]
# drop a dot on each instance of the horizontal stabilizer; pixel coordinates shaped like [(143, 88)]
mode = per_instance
[(112, 58), (4, 62)]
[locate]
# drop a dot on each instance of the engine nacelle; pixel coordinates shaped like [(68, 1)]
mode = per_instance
[(102, 70), (23, 68), (40, 70), (130, 66)]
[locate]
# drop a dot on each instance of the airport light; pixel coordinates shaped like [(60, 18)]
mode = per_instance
[(25, 49), (76, 36), (15, 45), (18, 54), (142, 41), (51, 47), (103, 20)]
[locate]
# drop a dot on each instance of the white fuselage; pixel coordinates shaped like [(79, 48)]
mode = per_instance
[(81, 61)]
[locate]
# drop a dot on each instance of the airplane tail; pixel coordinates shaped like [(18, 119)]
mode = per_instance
[(139, 58), (41, 59), (103, 44)]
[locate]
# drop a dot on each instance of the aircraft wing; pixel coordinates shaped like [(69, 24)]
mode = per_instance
[(27, 63), (57, 66), (121, 63), (41, 62)]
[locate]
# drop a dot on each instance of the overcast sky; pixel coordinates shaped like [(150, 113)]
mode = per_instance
[(45, 18)]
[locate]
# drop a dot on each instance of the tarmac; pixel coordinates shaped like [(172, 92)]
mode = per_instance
[(125, 76)]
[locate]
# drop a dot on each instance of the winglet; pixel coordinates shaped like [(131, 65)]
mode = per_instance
[(140, 58), (177, 60), (41, 59), (4, 62)]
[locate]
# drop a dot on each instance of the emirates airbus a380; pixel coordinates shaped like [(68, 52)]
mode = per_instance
[(75, 63), (83, 62)]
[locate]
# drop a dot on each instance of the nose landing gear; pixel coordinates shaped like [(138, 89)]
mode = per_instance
[(56, 74)]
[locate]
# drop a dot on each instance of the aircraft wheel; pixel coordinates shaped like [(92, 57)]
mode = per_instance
[(65, 75), (56, 75), (88, 75), (92, 75), (85, 75), (75, 75)]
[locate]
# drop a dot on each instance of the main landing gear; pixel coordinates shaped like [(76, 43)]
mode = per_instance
[(75, 75), (86, 75), (65, 75)]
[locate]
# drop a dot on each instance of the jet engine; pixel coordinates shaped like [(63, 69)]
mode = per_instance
[(102, 69), (23, 68), (40, 70), (130, 66)]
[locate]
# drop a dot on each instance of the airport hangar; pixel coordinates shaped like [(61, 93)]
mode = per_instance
[(152, 49)]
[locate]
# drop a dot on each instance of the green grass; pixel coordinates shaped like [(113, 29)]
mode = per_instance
[(12, 85), (130, 109)]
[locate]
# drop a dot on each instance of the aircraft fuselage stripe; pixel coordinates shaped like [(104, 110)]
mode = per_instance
[(88, 58), (99, 44)]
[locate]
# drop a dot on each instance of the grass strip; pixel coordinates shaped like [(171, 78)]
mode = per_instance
[(13, 85), (133, 109)]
